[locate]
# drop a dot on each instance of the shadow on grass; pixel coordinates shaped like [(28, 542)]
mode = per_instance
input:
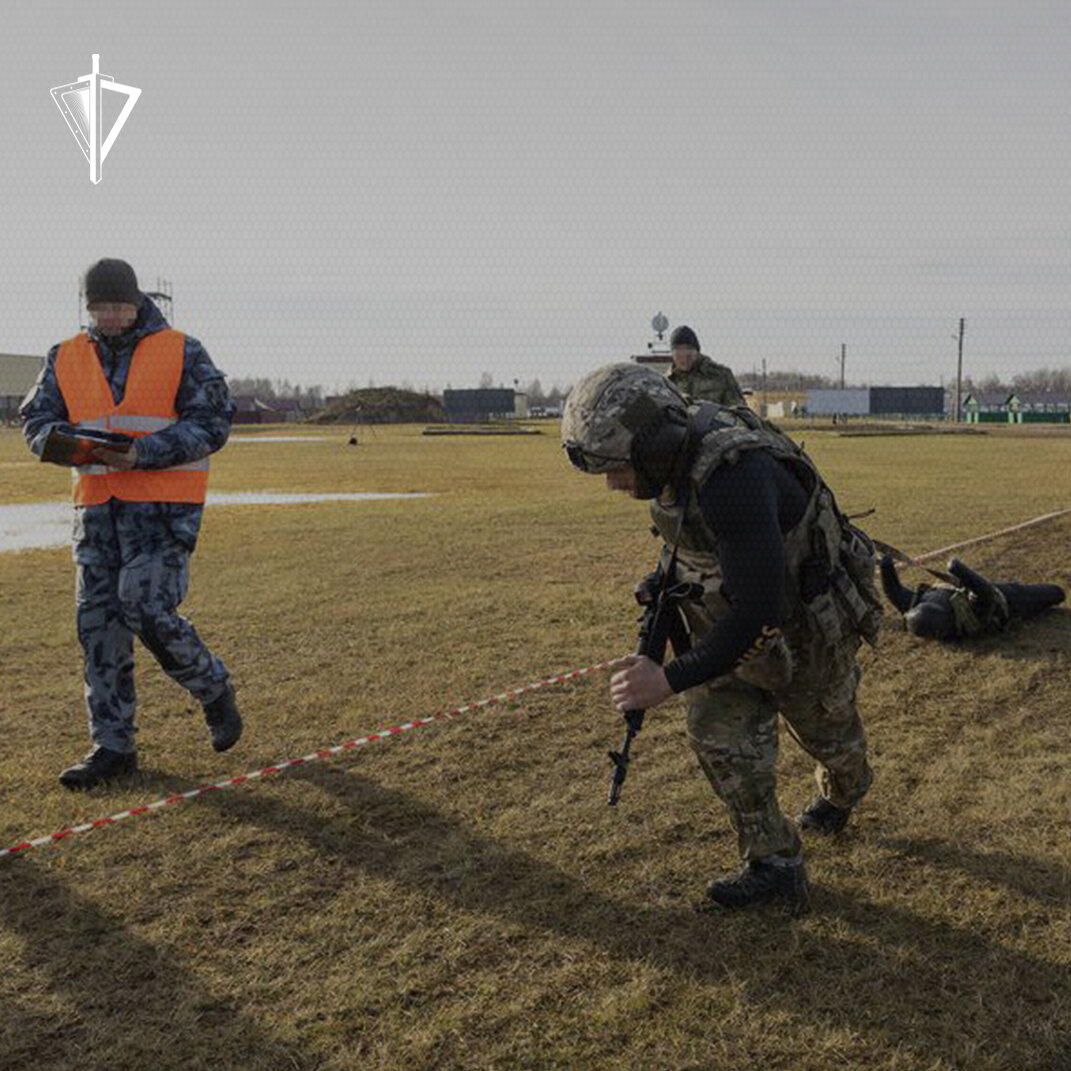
[(127, 1003), (922, 987), (1046, 882), (1036, 639)]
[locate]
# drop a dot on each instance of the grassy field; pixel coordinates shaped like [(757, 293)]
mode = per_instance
[(462, 897)]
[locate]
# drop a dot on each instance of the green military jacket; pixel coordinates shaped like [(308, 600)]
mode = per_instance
[(707, 381)]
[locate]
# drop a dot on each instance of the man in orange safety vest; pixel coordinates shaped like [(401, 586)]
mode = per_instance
[(158, 406)]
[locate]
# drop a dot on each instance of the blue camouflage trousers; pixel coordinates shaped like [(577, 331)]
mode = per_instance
[(133, 573)]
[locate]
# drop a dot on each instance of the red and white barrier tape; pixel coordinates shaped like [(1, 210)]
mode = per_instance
[(315, 756), (418, 723), (931, 554)]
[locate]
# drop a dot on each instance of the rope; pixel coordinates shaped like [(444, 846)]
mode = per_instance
[(409, 726), (304, 760)]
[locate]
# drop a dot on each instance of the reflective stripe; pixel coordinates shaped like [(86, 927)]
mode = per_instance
[(140, 423), (93, 425), (104, 470), (190, 466)]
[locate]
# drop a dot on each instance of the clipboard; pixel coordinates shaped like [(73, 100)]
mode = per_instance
[(77, 449)]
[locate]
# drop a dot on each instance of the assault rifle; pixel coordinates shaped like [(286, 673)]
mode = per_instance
[(661, 622)]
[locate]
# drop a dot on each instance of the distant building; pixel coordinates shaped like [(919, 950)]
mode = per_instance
[(18, 373), (480, 405), (916, 402), (989, 407), (1039, 407), (838, 402), (659, 360), (285, 411), (251, 410), (907, 401), (1018, 407)]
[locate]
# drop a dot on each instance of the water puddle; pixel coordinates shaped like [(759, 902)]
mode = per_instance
[(48, 524), (39, 524), (280, 498), (278, 439)]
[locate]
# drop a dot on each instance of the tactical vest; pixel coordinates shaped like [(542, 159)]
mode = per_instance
[(830, 590), (969, 616), (148, 405)]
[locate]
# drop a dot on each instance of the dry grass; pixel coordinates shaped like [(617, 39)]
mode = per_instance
[(462, 897)]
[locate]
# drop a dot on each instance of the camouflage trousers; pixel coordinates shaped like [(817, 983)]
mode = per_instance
[(132, 575), (733, 729)]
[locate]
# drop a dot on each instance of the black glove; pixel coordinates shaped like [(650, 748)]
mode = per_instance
[(647, 589)]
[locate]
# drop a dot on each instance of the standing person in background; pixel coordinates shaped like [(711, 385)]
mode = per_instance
[(138, 505), (696, 376)]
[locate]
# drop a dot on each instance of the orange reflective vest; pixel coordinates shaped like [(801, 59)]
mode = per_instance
[(147, 406)]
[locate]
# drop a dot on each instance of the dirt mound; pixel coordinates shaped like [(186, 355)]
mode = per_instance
[(909, 429), (479, 429), (382, 405)]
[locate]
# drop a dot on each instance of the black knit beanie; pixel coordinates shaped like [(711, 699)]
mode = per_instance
[(112, 280), (684, 336)]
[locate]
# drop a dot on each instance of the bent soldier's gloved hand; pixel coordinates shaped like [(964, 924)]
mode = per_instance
[(647, 589)]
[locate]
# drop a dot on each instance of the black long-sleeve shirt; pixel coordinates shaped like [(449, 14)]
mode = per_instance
[(749, 506)]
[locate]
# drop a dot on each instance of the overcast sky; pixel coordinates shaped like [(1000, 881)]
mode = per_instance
[(423, 191)]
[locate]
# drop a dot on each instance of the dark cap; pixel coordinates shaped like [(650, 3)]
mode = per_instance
[(112, 280), (684, 336)]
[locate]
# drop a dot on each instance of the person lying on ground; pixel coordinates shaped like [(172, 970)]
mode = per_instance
[(945, 612)]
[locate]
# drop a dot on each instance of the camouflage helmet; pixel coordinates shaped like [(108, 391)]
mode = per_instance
[(609, 407)]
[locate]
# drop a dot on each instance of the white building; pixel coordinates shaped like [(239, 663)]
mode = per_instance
[(18, 373)]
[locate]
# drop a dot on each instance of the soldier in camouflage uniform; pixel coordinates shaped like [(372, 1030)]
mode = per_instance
[(947, 612), (696, 376), (788, 594), (133, 556)]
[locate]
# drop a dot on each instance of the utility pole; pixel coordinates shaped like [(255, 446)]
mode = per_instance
[(959, 371), (765, 410), (842, 351)]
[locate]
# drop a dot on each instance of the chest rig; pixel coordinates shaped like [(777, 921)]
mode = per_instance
[(970, 616), (829, 564)]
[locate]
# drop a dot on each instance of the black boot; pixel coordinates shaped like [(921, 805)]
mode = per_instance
[(763, 882), (985, 591), (224, 721), (100, 765), (1026, 600), (971, 580), (823, 817)]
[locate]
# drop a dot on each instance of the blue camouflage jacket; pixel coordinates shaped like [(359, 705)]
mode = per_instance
[(203, 402)]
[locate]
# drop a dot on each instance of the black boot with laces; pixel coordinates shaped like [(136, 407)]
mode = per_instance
[(782, 882), (223, 720), (822, 817), (100, 765)]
